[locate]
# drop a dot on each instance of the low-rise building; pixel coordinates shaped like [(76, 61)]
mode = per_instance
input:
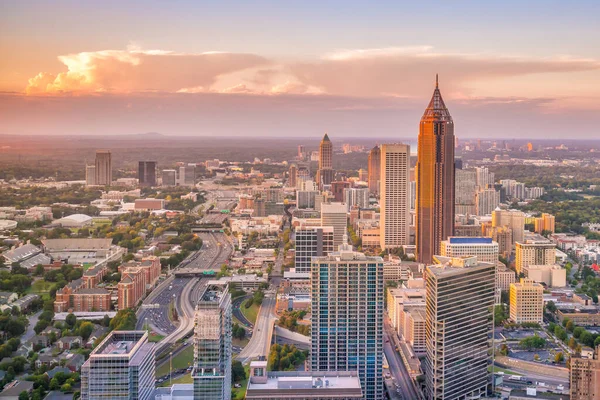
[(526, 302), (553, 275), (585, 377), (580, 316)]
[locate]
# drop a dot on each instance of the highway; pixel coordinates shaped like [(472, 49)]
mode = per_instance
[(397, 368), (259, 344)]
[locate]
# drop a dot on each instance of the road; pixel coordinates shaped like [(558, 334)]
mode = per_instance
[(33, 320), (258, 345), (237, 313), (397, 368)]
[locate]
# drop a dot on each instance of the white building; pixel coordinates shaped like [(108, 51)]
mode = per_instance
[(484, 248), (395, 201)]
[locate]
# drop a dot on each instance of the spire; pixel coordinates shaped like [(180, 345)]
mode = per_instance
[(436, 81), (326, 138), (437, 109)]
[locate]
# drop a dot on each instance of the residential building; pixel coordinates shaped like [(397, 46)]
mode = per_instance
[(545, 223), (484, 177), (585, 377), (465, 189), (526, 301), (347, 317), (90, 175), (503, 236), (356, 197), (306, 198), (335, 215), (460, 296), (486, 201), (212, 345), (374, 170), (394, 200), (103, 168), (435, 179), (415, 329), (504, 277), (121, 367), (533, 252), (147, 173), (513, 219), (484, 248), (312, 241)]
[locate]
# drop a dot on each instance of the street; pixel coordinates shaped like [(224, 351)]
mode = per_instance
[(397, 368)]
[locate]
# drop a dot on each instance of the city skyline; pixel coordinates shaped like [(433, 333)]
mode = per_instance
[(525, 70)]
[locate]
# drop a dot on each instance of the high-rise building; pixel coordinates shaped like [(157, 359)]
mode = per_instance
[(503, 236), (513, 219), (356, 197), (534, 253), (337, 188), (212, 345), (147, 173), (484, 177), (302, 175), (169, 177), (374, 170), (347, 317), (545, 223), (395, 202), (103, 167), (435, 178), (585, 377), (526, 301), (459, 297), (363, 175), (484, 248), (311, 241), (465, 190), (306, 198), (486, 201), (292, 176), (301, 152), (325, 173), (90, 175), (120, 367), (187, 175), (335, 215)]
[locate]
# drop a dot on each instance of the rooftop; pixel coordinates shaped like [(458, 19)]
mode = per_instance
[(76, 244), (469, 240), (121, 343)]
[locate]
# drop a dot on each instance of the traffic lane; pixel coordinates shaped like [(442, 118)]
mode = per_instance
[(398, 370)]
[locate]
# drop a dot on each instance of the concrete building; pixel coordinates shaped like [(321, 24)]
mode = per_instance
[(356, 197), (149, 204), (415, 329), (374, 170), (486, 201), (212, 345), (553, 275), (526, 301), (306, 198), (465, 189), (545, 223), (504, 277), (503, 236), (293, 170), (90, 175), (513, 219), (485, 249), (484, 177), (121, 367), (460, 296), (103, 168), (147, 173), (335, 215), (534, 253), (394, 201), (585, 377), (264, 385), (347, 317), (312, 241), (169, 177), (325, 173)]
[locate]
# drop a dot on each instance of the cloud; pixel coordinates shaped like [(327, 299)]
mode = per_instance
[(134, 70)]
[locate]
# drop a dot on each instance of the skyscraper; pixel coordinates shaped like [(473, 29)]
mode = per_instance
[(147, 173), (374, 169), (335, 215), (103, 167), (435, 178), (356, 197), (395, 201), (347, 317), (120, 367), (292, 176), (311, 241), (325, 174), (90, 175), (212, 345), (459, 299), (169, 177)]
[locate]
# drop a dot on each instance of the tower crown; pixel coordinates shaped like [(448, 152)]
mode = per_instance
[(436, 110)]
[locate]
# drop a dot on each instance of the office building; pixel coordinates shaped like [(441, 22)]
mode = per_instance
[(306, 198), (504, 277), (435, 179), (311, 241), (534, 253), (486, 201), (526, 301), (335, 215), (545, 223), (394, 199), (292, 176), (325, 173), (465, 190), (356, 197), (302, 176), (552, 275), (337, 189), (187, 175), (347, 317), (460, 296), (147, 173), (374, 170), (90, 175), (121, 367), (513, 219), (585, 377), (503, 236), (169, 177), (212, 345), (103, 167), (484, 248)]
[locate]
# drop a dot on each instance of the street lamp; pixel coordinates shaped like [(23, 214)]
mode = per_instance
[(171, 368)]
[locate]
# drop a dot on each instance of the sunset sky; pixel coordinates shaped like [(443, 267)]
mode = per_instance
[(299, 68)]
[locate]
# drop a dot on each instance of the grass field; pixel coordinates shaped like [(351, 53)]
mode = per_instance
[(498, 369), (187, 378), (241, 343), (240, 393), (182, 360), (155, 337), (250, 313), (41, 287)]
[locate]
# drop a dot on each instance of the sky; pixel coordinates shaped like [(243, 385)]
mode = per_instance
[(286, 68)]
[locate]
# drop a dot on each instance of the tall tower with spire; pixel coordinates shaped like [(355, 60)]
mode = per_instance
[(435, 178), (325, 173)]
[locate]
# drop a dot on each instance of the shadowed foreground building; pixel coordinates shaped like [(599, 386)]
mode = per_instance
[(459, 299), (585, 377), (121, 367), (435, 179)]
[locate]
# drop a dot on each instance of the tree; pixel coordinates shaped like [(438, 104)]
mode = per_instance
[(587, 339), (560, 333), (24, 395), (572, 343), (559, 357), (533, 342), (85, 329), (238, 373), (71, 319), (570, 326), (578, 331)]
